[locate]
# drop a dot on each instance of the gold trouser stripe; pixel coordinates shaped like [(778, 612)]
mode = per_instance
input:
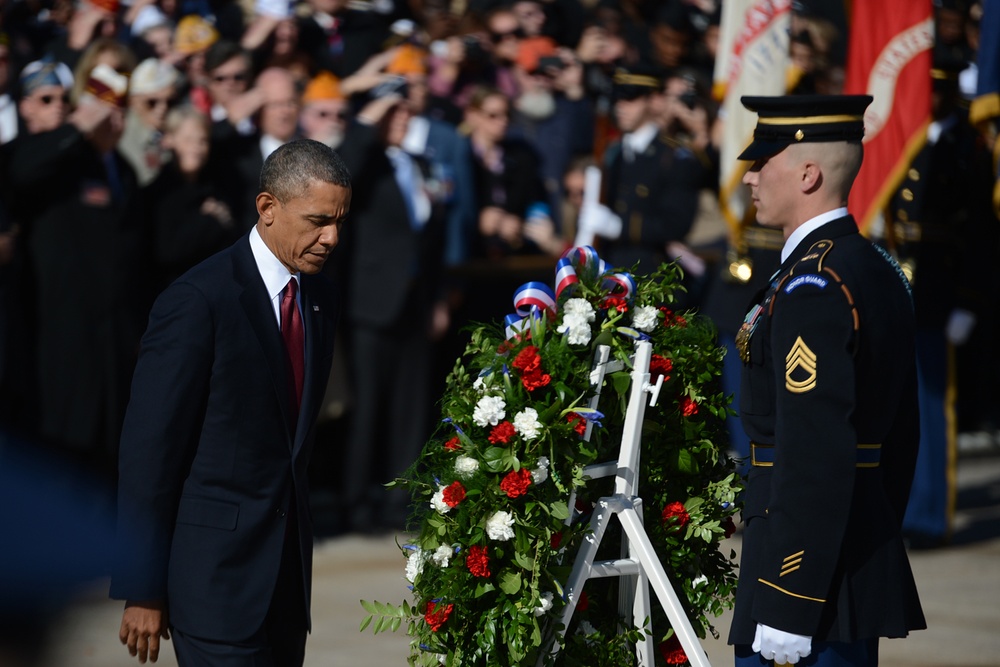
[(810, 120), (794, 595)]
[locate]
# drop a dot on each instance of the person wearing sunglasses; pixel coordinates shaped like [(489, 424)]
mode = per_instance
[(45, 86), (151, 93), (228, 70)]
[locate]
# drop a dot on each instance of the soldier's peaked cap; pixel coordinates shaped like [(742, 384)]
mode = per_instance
[(791, 119)]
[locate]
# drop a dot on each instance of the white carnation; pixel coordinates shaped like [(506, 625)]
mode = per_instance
[(526, 423), (466, 466), (546, 604), (438, 503), (578, 308), (442, 555), (483, 382), (415, 564), (498, 526), (644, 318), (577, 328), (587, 630), (541, 473), (489, 410)]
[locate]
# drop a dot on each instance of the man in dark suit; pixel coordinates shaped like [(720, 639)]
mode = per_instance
[(829, 400), (394, 252), (214, 522)]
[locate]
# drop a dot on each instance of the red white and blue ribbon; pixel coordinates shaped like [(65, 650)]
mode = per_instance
[(620, 284), (534, 296)]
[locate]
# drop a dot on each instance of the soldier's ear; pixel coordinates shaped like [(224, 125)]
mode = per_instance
[(811, 177)]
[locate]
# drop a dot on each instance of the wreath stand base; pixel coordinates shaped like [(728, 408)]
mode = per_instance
[(640, 564)]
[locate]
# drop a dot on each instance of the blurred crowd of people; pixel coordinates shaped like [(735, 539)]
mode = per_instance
[(132, 136)]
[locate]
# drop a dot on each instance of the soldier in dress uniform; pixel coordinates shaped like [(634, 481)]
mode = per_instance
[(651, 182), (941, 226), (829, 400)]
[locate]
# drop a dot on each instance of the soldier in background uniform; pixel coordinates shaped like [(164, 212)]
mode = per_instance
[(941, 227), (651, 182), (829, 400)]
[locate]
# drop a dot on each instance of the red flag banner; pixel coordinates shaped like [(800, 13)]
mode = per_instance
[(889, 58)]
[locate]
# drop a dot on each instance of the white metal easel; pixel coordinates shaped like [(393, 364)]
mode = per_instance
[(639, 566)]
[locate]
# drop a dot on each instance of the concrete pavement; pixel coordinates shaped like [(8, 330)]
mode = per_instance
[(959, 588)]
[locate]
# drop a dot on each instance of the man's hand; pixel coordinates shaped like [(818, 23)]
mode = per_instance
[(780, 646), (143, 623)]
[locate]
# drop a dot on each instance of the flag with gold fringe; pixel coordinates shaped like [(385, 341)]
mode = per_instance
[(752, 60), (889, 58)]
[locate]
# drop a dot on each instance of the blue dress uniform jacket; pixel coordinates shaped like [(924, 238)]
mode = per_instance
[(656, 196), (213, 460), (829, 398)]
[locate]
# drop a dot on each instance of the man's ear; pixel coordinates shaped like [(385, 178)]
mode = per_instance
[(812, 177), (266, 204)]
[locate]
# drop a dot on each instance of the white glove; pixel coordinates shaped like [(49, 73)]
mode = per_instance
[(961, 322), (780, 646), (276, 9), (597, 220)]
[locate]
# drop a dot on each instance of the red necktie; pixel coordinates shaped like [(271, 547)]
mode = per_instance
[(291, 331)]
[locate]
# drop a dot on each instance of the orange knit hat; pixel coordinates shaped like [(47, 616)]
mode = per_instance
[(323, 86)]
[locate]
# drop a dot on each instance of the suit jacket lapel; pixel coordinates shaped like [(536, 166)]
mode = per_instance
[(260, 313), (317, 347)]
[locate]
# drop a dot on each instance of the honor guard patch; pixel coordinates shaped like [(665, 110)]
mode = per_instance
[(799, 281), (800, 368)]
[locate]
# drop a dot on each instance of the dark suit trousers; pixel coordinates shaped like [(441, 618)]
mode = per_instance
[(390, 368), (280, 642)]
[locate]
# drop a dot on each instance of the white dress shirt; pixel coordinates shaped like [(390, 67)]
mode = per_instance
[(274, 274), (808, 227)]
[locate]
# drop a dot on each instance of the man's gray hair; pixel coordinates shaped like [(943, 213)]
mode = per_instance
[(288, 170)]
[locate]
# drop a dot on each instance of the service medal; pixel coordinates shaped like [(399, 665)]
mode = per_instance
[(746, 331)]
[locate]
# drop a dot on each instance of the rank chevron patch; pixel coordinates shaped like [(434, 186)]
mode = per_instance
[(800, 363)]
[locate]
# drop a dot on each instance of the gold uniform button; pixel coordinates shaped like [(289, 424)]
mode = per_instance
[(907, 194), (913, 174), (799, 135), (642, 190), (902, 215)]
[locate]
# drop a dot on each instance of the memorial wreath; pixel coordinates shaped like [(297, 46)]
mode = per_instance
[(494, 536)]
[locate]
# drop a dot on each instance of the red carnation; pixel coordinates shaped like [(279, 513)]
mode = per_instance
[(527, 360), (436, 619), (453, 494), (688, 407), (675, 515), (672, 651), (660, 366), (478, 562), (671, 320), (502, 432), (453, 444), (516, 482), (578, 422), (729, 527), (555, 540), (617, 302), (535, 379)]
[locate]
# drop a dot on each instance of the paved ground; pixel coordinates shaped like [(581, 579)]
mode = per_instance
[(959, 588)]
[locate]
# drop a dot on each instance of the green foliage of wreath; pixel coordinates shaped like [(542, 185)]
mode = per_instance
[(494, 538)]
